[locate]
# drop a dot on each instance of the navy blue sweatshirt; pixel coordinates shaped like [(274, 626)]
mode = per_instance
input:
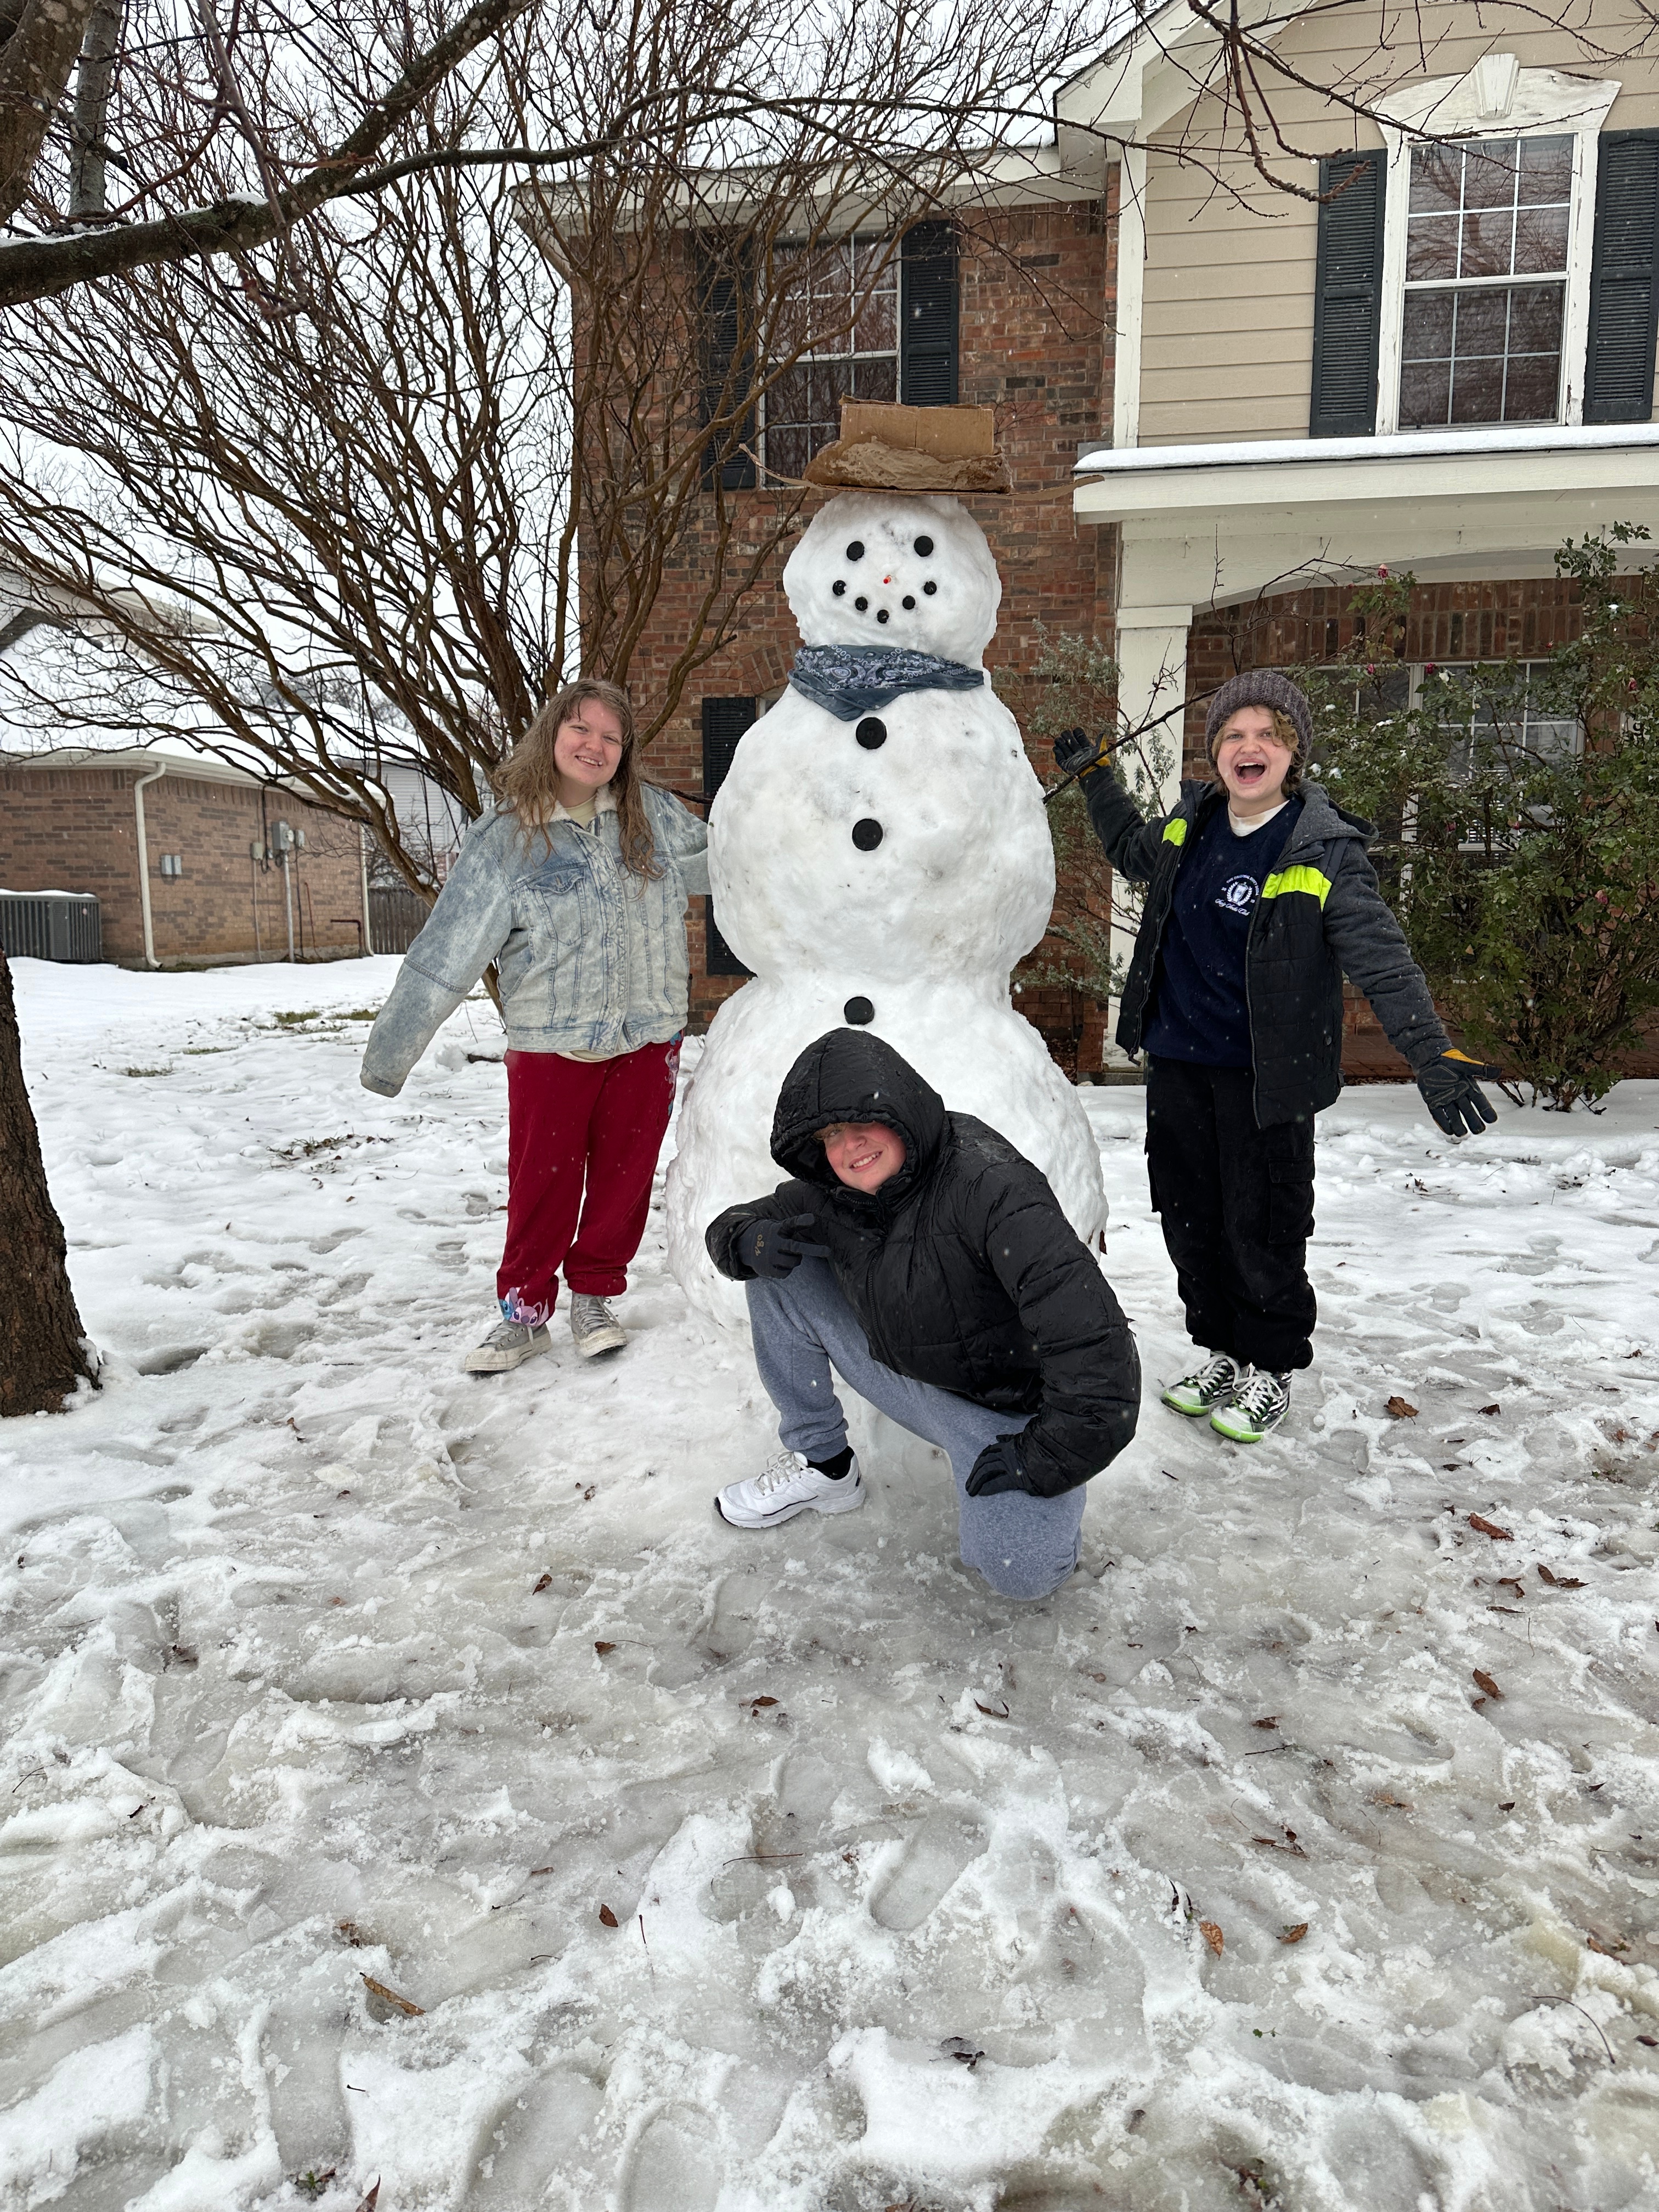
[(1199, 1012)]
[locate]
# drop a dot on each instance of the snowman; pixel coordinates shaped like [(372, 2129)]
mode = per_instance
[(878, 856)]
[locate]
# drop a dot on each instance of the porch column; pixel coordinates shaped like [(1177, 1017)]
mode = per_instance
[(1152, 694)]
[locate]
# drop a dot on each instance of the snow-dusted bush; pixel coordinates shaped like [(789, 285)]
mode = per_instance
[(1517, 806)]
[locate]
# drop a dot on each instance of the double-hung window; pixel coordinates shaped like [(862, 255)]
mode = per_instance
[(1486, 282), (839, 319)]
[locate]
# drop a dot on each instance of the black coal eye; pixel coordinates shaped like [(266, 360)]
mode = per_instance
[(855, 550), (907, 603), (839, 586), (930, 589), (881, 614), (924, 546), (861, 605)]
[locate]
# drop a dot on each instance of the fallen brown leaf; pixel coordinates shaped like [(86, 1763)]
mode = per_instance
[(990, 1712), (1268, 1720), (371, 2197), (1485, 1683), (1490, 1528), (1491, 1409), (1387, 1797), (391, 1996), (545, 1582), (1402, 1409), (1507, 1805), (608, 1919), (1294, 1935), (758, 1702), (1213, 1936), (1560, 1581), (602, 1647)]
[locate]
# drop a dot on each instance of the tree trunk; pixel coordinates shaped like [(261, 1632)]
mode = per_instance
[(43, 1350)]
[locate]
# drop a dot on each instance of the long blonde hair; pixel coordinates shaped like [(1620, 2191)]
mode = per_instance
[(528, 781)]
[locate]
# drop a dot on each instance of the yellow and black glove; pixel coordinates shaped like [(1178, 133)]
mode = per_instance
[(1451, 1089)]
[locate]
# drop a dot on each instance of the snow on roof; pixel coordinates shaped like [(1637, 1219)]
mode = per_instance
[(1413, 444)]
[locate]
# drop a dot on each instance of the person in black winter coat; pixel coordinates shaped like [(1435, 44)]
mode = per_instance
[(1259, 899), (924, 1260)]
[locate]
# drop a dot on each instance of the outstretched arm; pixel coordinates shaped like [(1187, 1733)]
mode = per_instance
[(461, 936), (1131, 846)]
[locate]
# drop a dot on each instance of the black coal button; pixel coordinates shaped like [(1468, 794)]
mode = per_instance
[(871, 733), (858, 1011), (866, 835)]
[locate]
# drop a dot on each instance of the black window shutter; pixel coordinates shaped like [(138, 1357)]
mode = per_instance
[(719, 294), (1348, 296), (927, 315), (1623, 302), (724, 721)]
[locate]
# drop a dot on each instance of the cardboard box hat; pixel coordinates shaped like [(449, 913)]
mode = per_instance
[(891, 449)]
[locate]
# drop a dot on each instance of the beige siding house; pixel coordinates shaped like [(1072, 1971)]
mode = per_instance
[(1435, 351)]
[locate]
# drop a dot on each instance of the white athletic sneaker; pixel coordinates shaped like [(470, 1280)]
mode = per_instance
[(1206, 1388), (509, 1345), (1259, 1403), (594, 1327), (787, 1486)]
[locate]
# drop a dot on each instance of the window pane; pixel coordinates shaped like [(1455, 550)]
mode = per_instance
[(1489, 174), (1487, 243), (1477, 390), (1541, 239), (1545, 170), (877, 325), (1424, 394), (1532, 391), (1535, 319), (875, 379), (1482, 322), (1432, 246), (788, 451), (1437, 179), (1428, 328)]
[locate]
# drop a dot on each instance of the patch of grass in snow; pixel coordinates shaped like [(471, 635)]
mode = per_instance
[(292, 1020), (200, 1051), (307, 1148), (147, 1071)]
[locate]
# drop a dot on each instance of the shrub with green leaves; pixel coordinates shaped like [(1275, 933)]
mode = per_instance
[(1517, 810)]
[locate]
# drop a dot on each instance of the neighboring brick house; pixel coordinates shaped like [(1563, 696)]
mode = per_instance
[(223, 882), (1016, 305)]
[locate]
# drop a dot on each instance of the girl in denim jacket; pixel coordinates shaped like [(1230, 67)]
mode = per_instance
[(575, 886)]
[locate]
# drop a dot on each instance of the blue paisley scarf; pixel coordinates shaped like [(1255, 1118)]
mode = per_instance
[(850, 680)]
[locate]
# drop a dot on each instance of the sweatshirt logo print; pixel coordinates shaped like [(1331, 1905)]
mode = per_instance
[(1239, 895)]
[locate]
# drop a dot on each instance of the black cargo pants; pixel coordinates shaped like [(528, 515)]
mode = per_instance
[(1237, 1206)]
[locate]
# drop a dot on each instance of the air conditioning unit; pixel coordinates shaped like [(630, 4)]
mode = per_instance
[(50, 925)]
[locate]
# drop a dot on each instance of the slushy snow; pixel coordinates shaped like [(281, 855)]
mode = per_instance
[(323, 1661), (913, 934)]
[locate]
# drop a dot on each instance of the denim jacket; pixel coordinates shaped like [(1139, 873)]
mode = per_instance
[(591, 958)]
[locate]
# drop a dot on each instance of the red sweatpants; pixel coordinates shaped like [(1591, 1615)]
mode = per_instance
[(571, 1123)]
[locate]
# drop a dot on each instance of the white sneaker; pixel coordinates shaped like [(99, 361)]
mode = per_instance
[(507, 1346), (787, 1486), (594, 1327)]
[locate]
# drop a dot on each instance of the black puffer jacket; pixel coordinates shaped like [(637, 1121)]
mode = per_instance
[(1320, 916), (962, 1269)]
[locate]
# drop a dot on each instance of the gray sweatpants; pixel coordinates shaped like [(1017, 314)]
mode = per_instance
[(1024, 1547)]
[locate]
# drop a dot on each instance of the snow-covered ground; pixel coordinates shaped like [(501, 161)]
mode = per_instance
[(321, 1661)]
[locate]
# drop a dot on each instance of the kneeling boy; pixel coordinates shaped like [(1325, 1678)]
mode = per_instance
[(926, 1260)]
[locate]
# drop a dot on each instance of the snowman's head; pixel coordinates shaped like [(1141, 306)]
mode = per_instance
[(880, 568)]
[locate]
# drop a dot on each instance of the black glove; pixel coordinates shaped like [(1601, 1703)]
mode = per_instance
[(997, 1469), (1453, 1096), (1076, 752), (773, 1249)]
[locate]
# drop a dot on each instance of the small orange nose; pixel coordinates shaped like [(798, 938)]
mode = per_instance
[(886, 580)]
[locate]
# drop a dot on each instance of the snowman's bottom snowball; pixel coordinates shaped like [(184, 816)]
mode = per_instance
[(978, 1054)]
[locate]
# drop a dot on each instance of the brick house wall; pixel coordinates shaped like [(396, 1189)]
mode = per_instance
[(1035, 294), (1445, 622), (74, 829)]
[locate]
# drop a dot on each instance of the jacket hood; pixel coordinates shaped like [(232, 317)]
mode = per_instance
[(850, 1076)]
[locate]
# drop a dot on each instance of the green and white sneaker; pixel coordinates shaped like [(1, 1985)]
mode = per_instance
[(1260, 1401), (1205, 1389)]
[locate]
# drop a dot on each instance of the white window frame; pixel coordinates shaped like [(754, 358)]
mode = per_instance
[(1498, 98)]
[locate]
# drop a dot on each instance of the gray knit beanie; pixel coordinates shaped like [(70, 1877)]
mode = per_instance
[(1262, 687)]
